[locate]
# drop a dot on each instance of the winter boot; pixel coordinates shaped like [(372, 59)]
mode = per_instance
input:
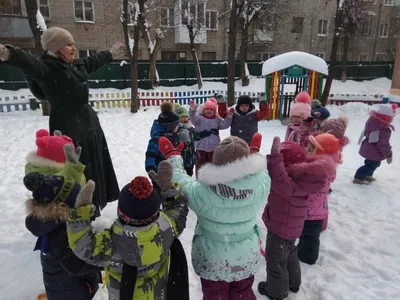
[(370, 178), (294, 289), (360, 181), (262, 289), (330, 191)]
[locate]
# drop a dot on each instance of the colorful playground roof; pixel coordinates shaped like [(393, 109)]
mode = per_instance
[(295, 58)]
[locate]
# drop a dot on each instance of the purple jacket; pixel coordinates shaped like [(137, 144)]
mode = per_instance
[(287, 205), (300, 133), (318, 202), (201, 123), (376, 144)]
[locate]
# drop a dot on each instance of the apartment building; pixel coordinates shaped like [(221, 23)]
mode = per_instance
[(307, 25)]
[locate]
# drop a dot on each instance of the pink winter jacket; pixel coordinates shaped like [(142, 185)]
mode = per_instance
[(287, 205), (299, 134), (318, 202)]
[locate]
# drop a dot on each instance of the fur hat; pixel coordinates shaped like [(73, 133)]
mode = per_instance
[(386, 112), (292, 153), (138, 203), (327, 144), (319, 112), (51, 147), (168, 119), (210, 104), (301, 107), (336, 126), (56, 38), (52, 189), (229, 150), (181, 111)]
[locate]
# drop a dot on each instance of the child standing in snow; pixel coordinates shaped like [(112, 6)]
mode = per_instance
[(293, 177), (246, 117), (308, 248), (186, 135), (226, 198), (376, 144), (167, 124), (65, 276), (302, 124), (207, 124), (135, 252), (319, 113)]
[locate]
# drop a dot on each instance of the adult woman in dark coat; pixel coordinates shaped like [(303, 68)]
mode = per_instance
[(63, 81)]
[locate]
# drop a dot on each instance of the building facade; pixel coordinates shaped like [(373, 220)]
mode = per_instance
[(307, 25)]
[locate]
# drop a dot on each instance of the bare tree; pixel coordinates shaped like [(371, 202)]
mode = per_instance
[(32, 10), (129, 19), (5, 24), (334, 48)]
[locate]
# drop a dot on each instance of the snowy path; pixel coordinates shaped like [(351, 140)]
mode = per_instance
[(359, 257)]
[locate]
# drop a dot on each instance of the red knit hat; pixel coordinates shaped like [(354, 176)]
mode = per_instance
[(211, 104), (292, 153), (51, 147)]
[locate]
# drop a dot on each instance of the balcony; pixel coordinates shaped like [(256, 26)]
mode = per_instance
[(182, 35), (13, 27)]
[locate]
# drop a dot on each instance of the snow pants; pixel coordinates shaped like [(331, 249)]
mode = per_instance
[(308, 247), (222, 290), (283, 266)]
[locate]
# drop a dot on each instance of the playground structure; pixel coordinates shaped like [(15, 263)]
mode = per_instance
[(304, 70)]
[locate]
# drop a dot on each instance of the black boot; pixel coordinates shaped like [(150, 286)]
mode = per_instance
[(262, 290), (330, 191), (294, 289)]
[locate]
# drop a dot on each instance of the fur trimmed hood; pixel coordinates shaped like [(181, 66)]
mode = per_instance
[(211, 174), (51, 212), (315, 165), (38, 161)]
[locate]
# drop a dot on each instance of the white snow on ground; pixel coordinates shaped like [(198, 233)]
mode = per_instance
[(359, 257)]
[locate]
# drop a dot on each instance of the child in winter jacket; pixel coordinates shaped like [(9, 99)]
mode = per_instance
[(135, 252), (167, 124), (376, 144), (302, 124), (186, 135), (308, 248), (294, 176), (319, 113), (246, 117), (207, 124), (226, 198), (65, 276)]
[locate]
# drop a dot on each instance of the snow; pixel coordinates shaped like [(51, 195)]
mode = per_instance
[(246, 70), (359, 252), (41, 24), (289, 59), (122, 63)]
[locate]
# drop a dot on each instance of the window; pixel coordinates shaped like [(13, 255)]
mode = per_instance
[(384, 30), (84, 10), (388, 2), (320, 54), (323, 27), (209, 56), (167, 17), (44, 8), (261, 56), (85, 53), (364, 28), (297, 24), (212, 20), (10, 7), (192, 13), (173, 55)]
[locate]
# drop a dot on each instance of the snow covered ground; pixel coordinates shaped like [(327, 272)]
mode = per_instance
[(359, 256)]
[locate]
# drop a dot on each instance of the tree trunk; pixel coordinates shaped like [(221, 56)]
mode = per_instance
[(125, 26), (232, 53), (376, 37), (135, 102), (332, 61), (346, 40), (195, 58), (243, 56), (31, 11)]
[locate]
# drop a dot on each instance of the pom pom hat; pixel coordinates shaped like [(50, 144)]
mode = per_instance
[(51, 147), (211, 104), (168, 119), (335, 126), (301, 107), (138, 203), (386, 112), (292, 153), (181, 111)]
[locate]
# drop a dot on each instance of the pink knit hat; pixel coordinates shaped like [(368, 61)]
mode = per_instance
[(292, 153), (386, 112), (211, 104), (51, 147), (301, 107)]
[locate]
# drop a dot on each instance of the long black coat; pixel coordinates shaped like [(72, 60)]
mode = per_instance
[(65, 86)]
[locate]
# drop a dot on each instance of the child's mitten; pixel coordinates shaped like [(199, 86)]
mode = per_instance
[(184, 135), (85, 196), (389, 160), (230, 112), (167, 149), (220, 98), (164, 175), (192, 105), (71, 155), (57, 133), (276, 146), (255, 143)]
